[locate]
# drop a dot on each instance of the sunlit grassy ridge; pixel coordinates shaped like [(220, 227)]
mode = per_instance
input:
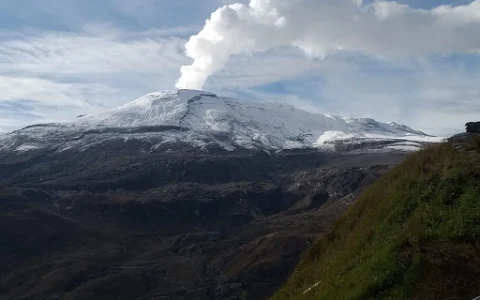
[(414, 234)]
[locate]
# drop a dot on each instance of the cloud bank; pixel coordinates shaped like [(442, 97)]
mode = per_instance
[(320, 27), (82, 72)]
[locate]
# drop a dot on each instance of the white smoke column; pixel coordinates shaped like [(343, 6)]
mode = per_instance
[(318, 27), (228, 32)]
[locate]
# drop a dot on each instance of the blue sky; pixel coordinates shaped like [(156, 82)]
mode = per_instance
[(60, 59)]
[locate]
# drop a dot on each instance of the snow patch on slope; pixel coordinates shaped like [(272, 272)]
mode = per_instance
[(26, 147)]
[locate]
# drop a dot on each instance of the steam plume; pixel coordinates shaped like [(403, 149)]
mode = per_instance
[(319, 27)]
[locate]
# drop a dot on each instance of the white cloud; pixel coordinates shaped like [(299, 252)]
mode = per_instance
[(98, 68), (92, 52), (462, 13), (52, 93), (383, 28)]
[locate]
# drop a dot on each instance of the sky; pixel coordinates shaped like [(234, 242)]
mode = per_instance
[(410, 62)]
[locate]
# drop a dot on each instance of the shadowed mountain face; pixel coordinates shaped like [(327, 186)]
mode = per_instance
[(116, 222)]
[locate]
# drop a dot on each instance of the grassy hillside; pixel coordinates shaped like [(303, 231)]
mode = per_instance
[(415, 234)]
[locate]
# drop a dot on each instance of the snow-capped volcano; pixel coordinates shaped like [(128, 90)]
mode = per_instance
[(201, 119)]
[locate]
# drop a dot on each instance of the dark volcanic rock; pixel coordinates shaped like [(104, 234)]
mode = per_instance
[(473, 127), (117, 223)]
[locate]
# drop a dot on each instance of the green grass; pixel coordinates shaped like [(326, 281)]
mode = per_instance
[(414, 234)]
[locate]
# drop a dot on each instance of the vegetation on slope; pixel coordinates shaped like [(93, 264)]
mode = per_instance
[(415, 234)]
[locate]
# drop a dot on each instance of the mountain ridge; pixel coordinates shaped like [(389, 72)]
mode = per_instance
[(203, 119)]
